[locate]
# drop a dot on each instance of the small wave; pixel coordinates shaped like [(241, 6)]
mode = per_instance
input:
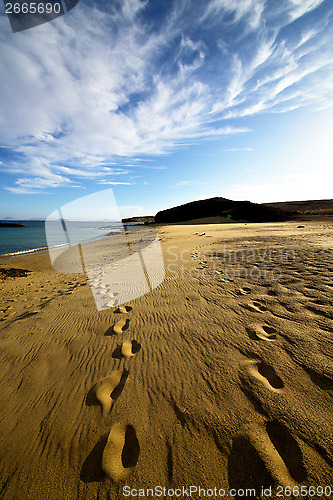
[(23, 252), (33, 250), (111, 229), (55, 246)]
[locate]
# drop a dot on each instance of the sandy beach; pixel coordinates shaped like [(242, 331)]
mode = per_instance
[(221, 377)]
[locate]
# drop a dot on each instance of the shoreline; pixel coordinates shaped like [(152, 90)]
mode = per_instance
[(200, 223), (21, 253), (54, 247)]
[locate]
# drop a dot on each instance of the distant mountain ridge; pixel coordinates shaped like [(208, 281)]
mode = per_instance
[(311, 207), (141, 219), (223, 207)]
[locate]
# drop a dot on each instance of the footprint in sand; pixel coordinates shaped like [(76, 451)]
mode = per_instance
[(121, 452), (246, 468), (121, 326), (110, 388), (260, 458), (123, 309), (129, 348), (257, 306), (266, 374), (244, 291), (288, 449), (262, 332)]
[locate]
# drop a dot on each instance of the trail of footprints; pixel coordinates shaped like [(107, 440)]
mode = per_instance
[(121, 451), (259, 331), (269, 458), (266, 447)]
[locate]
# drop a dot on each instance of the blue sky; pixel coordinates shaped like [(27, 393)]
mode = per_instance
[(167, 102)]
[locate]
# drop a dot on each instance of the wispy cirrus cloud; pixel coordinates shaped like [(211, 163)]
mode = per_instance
[(22, 190), (300, 7), (191, 183), (237, 149), (115, 183), (250, 9), (34, 185), (86, 94)]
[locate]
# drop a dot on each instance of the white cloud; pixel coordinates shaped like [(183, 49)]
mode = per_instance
[(237, 149), (182, 184), (308, 35), (40, 183), (130, 8), (22, 190), (116, 183), (240, 8), (86, 97), (91, 173), (302, 80), (159, 167), (297, 76), (69, 97), (301, 7), (37, 184)]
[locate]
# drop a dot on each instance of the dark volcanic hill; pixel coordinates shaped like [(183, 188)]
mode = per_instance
[(234, 210)]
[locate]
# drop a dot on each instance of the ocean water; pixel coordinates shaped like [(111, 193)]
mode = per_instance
[(17, 240)]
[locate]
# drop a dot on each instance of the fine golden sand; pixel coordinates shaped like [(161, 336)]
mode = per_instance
[(220, 377)]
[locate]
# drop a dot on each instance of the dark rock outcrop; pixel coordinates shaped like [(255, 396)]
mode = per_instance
[(233, 210), (11, 224)]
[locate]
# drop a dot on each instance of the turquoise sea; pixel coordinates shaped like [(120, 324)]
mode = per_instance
[(18, 240)]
